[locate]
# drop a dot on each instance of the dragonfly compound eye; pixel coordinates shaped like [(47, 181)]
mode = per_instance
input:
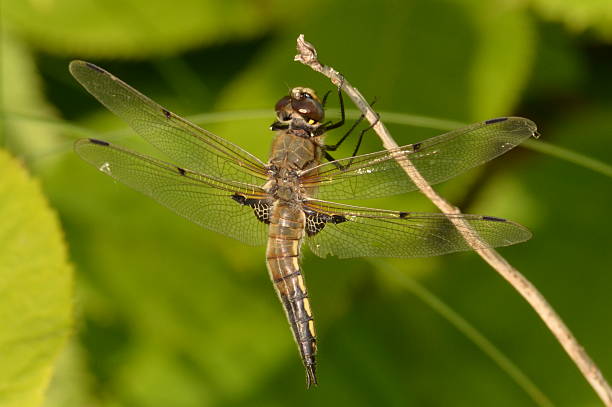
[(308, 108), (283, 109)]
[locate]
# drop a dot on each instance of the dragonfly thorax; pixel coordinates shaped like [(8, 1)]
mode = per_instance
[(284, 185)]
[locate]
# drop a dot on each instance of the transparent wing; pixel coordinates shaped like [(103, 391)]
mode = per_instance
[(204, 200), (437, 159), (189, 145), (365, 232)]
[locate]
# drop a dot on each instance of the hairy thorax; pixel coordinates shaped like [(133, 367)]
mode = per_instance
[(291, 153), (284, 184), (295, 152)]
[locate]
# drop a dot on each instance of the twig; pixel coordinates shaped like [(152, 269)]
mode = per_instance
[(307, 55)]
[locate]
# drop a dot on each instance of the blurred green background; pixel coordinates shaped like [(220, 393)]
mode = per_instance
[(168, 314)]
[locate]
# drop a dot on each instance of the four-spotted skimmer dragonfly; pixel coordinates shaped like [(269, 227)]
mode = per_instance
[(288, 200)]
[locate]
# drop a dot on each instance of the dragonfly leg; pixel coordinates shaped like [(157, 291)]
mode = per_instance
[(332, 126), (324, 100), (334, 147), (361, 138), (279, 126), (331, 159)]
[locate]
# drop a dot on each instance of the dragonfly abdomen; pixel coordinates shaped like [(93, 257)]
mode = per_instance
[(283, 260)]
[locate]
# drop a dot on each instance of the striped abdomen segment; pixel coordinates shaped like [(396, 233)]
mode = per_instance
[(282, 257)]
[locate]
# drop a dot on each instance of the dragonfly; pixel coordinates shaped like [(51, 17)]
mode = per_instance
[(289, 200)]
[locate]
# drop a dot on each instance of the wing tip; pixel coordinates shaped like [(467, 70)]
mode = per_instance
[(75, 65), (520, 122)]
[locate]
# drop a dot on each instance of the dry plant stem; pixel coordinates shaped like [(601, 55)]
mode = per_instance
[(307, 55)]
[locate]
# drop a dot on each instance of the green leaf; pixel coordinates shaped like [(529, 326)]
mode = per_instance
[(133, 28), (579, 15), (35, 288), (503, 59), (21, 93)]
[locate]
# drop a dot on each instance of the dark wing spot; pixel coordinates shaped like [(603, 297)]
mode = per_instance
[(338, 219), (181, 170), (416, 147), (403, 215), (99, 142), (494, 219), (499, 119), (239, 198), (261, 208), (315, 221), (166, 113), (94, 67)]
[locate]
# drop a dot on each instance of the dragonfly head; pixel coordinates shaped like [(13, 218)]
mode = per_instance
[(301, 103)]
